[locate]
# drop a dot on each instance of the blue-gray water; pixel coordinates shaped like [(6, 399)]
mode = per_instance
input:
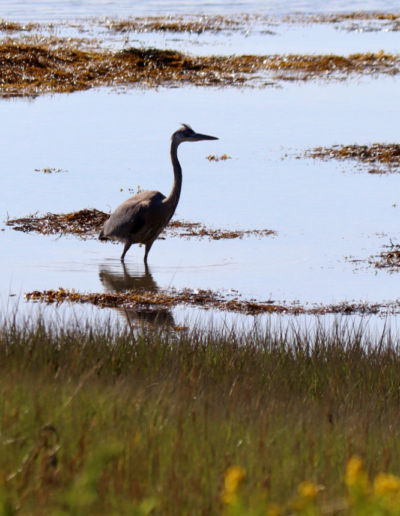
[(326, 214), (44, 10)]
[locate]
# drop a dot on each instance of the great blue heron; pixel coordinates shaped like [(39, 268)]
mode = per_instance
[(141, 218)]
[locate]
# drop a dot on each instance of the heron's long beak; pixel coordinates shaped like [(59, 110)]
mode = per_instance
[(199, 137)]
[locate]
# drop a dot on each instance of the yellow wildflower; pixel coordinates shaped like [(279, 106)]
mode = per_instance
[(232, 479), (307, 490), (355, 476), (386, 484)]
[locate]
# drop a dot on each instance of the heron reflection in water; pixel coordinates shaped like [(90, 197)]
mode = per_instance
[(141, 218), (114, 280)]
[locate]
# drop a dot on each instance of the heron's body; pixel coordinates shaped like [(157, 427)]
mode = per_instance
[(138, 220), (141, 218)]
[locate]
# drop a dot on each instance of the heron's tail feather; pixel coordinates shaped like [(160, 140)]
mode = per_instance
[(101, 236)]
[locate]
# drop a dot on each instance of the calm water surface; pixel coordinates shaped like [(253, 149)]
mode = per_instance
[(325, 213), (46, 10)]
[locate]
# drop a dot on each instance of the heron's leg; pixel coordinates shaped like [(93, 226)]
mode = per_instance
[(126, 273), (148, 247), (126, 248)]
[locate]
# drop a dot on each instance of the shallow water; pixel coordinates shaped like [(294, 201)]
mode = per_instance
[(325, 213), (97, 138), (284, 38), (254, 38), (44, 10)]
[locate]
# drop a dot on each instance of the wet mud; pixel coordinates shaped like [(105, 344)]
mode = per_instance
[(34, 66), (87, 223), (380, 158)]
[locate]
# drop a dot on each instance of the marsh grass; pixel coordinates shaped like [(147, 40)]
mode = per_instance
[(103, 420)]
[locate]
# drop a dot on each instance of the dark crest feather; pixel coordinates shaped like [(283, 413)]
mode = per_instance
[(184, 126)]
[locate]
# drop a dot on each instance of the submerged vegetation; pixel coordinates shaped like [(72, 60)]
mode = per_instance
[(33, 66), (49, 170), (87, 223), (199, 24), (340, 17), (196, 229), (252, 23), (224, 157), (196, 25), (164, 299), (10, 26), (385, 155), (388, 259), (359, 20), (216, 24), (102, 420), (84, 223)]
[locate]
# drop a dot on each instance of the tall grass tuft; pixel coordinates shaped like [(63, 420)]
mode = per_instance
[(102, 420)]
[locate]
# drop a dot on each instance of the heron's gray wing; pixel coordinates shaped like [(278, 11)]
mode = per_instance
[(131, 216), (126, 220)]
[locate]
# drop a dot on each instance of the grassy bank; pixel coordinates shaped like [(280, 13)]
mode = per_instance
[(105, 421)]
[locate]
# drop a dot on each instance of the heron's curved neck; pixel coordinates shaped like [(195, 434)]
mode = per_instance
[(173, 198)]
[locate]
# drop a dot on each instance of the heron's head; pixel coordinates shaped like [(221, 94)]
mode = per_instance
[(186, 134)]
